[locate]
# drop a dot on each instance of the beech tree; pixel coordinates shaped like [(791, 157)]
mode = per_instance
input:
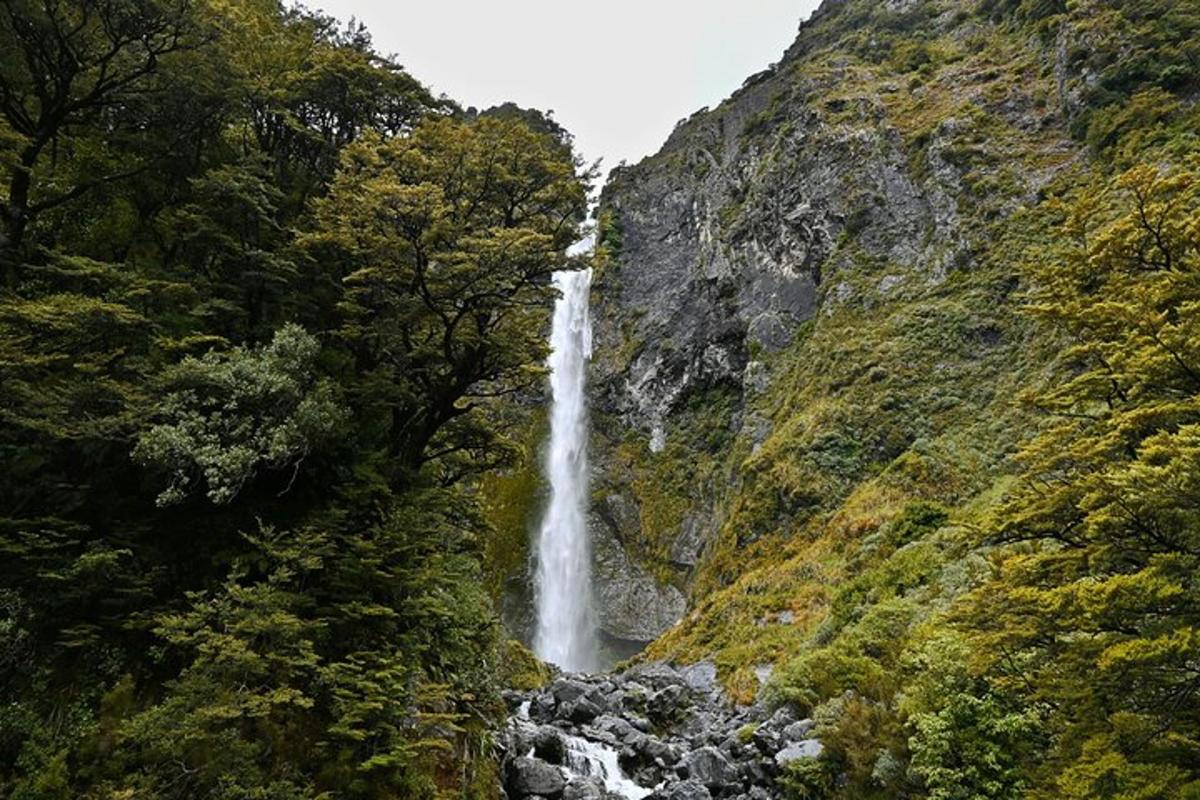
[(445, 241), (1095, 616), (68, 65)]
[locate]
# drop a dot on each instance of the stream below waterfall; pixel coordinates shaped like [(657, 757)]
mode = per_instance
[(651, 732)]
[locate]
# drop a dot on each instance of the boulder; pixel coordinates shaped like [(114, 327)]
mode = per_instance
[(655, 675), (665, 705), (809, 748), (613, 725), (549, 745), (686, 790), (709, 766), (528, 777), (701, 676), (581, 711), (566, 690), (584, 788), (798, 731), (541, 707)]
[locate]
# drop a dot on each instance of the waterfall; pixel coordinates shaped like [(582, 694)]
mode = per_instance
[(566, 631)]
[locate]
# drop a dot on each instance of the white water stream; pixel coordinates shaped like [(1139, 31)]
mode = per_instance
[(566, 629), (585, 757), (596, 760)]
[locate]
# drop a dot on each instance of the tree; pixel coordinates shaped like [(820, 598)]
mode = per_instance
[(78, 64), (445, 241), (1096, 613), (163, 338), (227, 415)]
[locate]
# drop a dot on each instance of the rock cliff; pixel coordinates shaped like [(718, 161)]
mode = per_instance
[(865, 169)]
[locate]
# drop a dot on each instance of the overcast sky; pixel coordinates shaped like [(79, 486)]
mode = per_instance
[(617, 73)]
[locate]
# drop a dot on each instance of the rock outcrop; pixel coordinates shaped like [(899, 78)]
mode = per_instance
[(748, 222), (631, 604)]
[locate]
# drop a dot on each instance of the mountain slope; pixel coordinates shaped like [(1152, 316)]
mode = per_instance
[(813, 336)]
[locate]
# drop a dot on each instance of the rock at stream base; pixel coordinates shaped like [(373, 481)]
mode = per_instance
[(686, 790), (532, 776), (709, 766), (671, 731), (585, 788)]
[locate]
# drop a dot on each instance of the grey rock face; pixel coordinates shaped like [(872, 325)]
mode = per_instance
[(630, 603), (787, 201), (693, 536)]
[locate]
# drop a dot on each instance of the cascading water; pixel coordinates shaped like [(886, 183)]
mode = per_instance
[(566, 630), (593, 759)]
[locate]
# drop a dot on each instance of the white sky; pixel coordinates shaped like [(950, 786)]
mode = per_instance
[(618, 74)]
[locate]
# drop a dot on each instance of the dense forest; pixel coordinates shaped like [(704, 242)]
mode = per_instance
[(273, 318), (262, 295)]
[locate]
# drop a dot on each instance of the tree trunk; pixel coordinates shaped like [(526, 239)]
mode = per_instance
[(16, 211)]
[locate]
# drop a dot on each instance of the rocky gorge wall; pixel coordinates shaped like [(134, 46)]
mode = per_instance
[(804, 315), (856, 332), (803, 287)]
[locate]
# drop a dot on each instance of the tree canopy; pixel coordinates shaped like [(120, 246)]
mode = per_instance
[(262, 293)]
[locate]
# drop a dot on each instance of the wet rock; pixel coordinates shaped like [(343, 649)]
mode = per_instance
[(665, 705), (584, 788), (709, 766), (549, 746), (615, 726), (541, 708), (673, 728), (565, 690), (581, 711), (529, 777), (630, 603), (685, 790)]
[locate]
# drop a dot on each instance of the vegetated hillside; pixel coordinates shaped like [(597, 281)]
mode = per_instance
[(261, 298), (904, 339)]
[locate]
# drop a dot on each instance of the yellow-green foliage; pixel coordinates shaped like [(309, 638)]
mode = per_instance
[(521, 669), (511, 500), (1094, 609), (856, 549)]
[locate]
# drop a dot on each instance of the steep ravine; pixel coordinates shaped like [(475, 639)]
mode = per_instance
[(809, 286)]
